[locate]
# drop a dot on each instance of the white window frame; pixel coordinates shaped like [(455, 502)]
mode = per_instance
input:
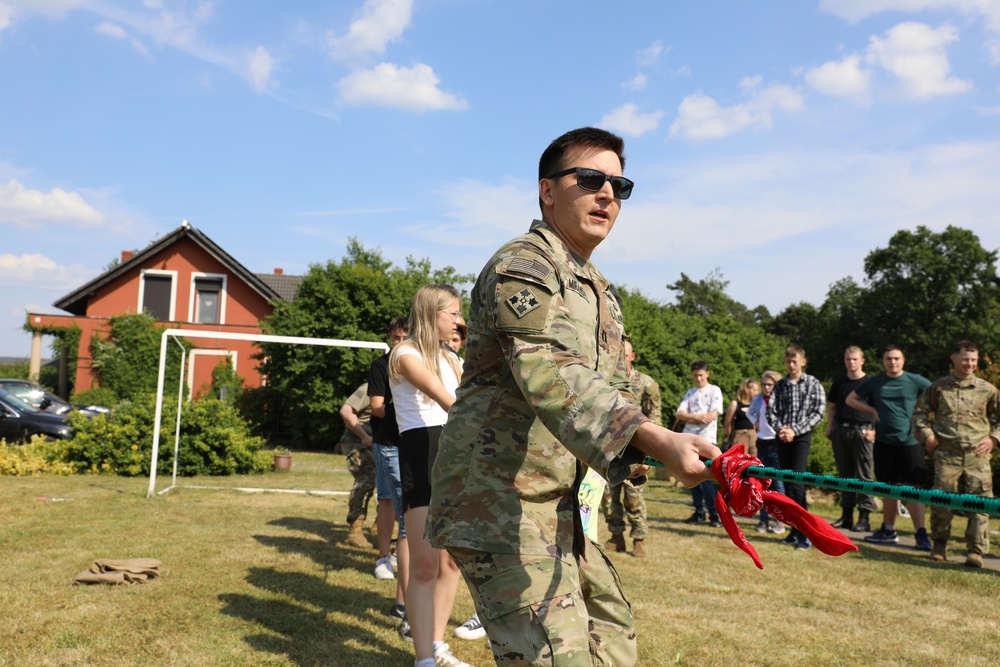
[(193, 300), (201, 352), (173, 290)]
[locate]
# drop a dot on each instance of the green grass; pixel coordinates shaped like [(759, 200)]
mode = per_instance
[(260, 579)]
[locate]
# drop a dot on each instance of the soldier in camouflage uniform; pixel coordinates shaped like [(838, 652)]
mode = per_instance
[(357, 442), (544, 394), (963, 432), (616, 508)]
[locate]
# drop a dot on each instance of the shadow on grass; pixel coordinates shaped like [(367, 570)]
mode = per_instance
[(299, 623), (301, 629)]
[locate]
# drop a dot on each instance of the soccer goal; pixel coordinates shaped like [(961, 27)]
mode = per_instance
[(191, 333)]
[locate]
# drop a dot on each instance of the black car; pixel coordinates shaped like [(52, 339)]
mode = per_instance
[(46, 401), (20, 420)]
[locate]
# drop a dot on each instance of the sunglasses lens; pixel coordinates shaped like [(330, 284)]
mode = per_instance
[(621, 186), (590, 179)]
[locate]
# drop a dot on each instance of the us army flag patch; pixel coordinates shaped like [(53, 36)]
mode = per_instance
[(523, 302)]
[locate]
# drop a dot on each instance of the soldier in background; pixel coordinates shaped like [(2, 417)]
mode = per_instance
[(357, 442), (616, 508), (544, 395), (964, 430)]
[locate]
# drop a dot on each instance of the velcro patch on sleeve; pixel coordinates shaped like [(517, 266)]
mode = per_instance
[(524, 306), (528, 267)]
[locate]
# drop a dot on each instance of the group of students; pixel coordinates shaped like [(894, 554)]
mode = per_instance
[(876, 426), (409, 391)]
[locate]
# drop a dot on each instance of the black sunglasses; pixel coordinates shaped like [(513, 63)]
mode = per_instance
[(593, 180)]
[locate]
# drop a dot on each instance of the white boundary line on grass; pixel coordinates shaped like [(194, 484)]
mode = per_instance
[(248, 489)]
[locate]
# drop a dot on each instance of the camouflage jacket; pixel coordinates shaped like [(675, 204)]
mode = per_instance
[(544, 393), (965, 412), (363, 409), (647, 394)]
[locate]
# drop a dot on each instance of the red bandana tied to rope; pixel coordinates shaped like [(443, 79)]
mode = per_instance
[(747, 495)]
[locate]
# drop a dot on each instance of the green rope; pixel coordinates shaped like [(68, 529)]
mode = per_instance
[(959, 502)]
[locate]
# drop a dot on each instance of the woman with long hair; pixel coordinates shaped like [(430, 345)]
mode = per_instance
[(739, 427), (424, 375)]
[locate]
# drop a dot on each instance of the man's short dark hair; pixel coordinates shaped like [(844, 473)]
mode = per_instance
[(964, 346), (400, 322), (587, 137), (892, 347), (699, 366)]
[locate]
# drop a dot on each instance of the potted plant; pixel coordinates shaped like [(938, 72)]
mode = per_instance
[(282, 459)]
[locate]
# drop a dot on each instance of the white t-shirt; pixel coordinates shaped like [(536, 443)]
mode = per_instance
[(699, 401), (414, 408)]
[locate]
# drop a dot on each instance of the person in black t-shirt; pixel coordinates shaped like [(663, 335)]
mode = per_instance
[(852, 433)]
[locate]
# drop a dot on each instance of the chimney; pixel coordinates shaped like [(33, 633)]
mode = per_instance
[(279, 272), (126, 255)]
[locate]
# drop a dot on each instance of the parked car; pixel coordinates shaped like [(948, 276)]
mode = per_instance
[(46, 401), (20, 420)]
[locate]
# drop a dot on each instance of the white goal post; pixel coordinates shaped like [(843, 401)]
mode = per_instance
[(192, 333)]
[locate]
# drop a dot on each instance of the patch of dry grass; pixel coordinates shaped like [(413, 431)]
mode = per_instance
[(260, 579)]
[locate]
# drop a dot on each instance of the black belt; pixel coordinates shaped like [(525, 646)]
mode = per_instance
[(857, 425)]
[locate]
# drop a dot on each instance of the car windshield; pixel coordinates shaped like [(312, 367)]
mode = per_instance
[(25, 392), (17, 403)]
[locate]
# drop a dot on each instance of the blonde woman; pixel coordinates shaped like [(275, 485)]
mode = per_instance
[(739, 427), (423, 375)]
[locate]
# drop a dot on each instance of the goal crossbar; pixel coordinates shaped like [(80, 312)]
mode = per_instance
[(220, 335)]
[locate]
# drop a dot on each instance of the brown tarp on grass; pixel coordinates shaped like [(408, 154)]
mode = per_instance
[(127, 571)]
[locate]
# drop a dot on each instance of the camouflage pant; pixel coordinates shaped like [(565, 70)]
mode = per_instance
[(539, 610), (361, 464), (616, 508), (958, 471)]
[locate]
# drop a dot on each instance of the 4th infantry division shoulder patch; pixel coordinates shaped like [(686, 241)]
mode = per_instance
[(523, 302)]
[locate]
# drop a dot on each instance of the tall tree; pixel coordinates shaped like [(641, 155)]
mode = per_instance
[(352, 299), (926, 290)]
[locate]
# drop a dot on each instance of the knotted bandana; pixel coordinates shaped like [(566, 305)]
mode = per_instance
[(746, 495)]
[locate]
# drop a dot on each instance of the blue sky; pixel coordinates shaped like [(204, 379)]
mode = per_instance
[(779, 140)]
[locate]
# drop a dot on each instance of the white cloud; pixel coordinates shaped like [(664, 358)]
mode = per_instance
[(844, 78), (260, 64), (411, 88), (6, 16), (39, 271), (377, 23), (628, 120), (140, 47), (29, 209), (111, 30), (701, 117), (650, 54), (636, 83), (915, 54)]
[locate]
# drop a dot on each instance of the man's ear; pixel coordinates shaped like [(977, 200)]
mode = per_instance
[(545, 191)]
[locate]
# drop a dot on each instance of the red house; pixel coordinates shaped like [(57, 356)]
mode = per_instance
[(184, 280)]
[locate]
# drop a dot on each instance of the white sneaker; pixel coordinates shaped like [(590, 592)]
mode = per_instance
[(392, 561), (443, 657), (383, 568), (471, 629), (903, 510)]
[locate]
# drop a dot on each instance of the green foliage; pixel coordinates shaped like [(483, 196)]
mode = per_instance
[(353, 299), (821, 461), (127, 362), (214, 440), (35, 457), (924, 291), (226, 382), (96, 396), (667, 339)]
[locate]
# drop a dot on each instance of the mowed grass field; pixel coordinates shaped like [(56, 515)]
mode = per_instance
[(261, 579)]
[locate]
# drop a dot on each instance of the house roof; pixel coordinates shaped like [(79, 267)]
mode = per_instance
[(76, 302), (285, 286)]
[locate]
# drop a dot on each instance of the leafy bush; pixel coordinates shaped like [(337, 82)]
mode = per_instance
[(214, 440), (34, 457), (821, 461), (96, 396), (127, 361)]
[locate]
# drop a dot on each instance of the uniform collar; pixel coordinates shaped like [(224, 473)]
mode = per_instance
[(583, 268)]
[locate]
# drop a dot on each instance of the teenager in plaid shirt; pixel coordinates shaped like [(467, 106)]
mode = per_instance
[(796, 407)]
